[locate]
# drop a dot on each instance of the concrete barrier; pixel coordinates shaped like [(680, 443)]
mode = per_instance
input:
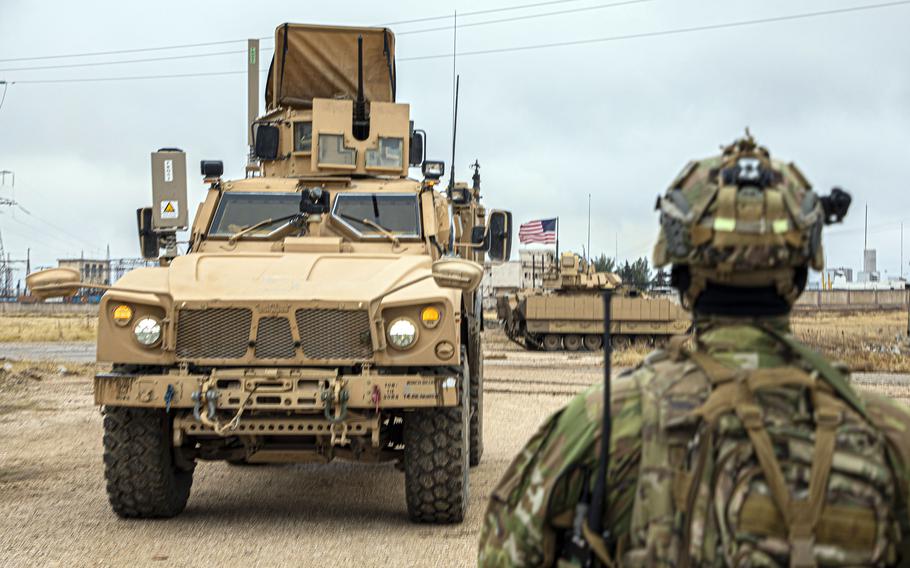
[(47, 309), (853, 300)]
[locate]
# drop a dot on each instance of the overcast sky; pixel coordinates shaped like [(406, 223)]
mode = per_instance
[(614, 119)]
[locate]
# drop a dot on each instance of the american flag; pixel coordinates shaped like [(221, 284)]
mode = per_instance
[(539, 231)]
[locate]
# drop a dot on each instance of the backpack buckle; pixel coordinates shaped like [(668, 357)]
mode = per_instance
[(828, 417), (750, 415)]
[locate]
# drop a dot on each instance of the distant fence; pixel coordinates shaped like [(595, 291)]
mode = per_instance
[(852, 300), (52, 309)]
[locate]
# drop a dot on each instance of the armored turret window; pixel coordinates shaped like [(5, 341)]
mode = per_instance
[(303, 136), (333, 153), (238, 210), (399, 214), (388, 155)]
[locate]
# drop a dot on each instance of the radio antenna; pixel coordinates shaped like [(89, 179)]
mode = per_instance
[(454, 136), (455, 80)]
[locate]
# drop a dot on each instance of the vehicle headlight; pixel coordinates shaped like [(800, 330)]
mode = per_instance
[(402, 333), (147, 331)]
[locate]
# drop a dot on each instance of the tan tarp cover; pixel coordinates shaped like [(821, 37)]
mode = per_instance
[(321, 62)]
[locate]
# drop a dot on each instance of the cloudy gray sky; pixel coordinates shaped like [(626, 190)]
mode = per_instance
[(614, 119)]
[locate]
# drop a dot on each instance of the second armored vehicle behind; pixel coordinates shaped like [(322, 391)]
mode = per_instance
[(568, 313)]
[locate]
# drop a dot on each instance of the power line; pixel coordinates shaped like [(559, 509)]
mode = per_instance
[(125, 61), (53, 226), (677, 31), (528, 17), (5, 87), (230, 41), (235, 52), (122, 51), (480, 12), (133, 78)]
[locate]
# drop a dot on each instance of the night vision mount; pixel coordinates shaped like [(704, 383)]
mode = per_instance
[(836, 204)]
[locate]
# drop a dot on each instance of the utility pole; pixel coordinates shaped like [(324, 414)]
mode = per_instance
[(866, 232), (589, 227)]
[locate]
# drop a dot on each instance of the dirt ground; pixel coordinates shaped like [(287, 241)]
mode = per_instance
[(55, 511)]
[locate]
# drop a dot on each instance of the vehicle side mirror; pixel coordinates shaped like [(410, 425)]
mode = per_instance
[(417, 152), (266, 147), (479, 238), (457, 273), (499, 235), (54, 283), (148, 238)]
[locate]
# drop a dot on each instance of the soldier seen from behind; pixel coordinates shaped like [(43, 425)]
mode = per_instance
[(737, 446)]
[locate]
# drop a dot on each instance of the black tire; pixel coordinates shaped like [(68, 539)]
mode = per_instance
[(475, 364), (436, 463), (142, 479), (572, 342)]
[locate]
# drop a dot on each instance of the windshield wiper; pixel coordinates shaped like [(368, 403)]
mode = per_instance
[(249, 228), (382, 230)]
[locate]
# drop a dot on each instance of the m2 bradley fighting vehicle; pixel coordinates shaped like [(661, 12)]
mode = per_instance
[(327, 305), (568, 313)]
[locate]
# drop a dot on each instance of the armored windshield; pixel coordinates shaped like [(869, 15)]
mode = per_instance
[(239, 210), (398, 214)]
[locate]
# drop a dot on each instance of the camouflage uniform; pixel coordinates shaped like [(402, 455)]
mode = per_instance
[(737, 446), (534, 503)]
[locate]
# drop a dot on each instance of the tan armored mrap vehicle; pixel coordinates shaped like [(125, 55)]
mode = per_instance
[(568, 312), (327, 306)]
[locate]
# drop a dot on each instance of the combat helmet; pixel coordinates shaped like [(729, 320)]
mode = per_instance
[(743, 220)]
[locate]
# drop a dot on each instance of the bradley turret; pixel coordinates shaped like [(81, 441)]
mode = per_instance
[(327, 306)]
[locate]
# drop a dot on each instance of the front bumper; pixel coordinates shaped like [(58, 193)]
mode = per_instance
[(277, 390)]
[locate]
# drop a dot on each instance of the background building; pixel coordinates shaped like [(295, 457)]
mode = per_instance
[(93, 271)]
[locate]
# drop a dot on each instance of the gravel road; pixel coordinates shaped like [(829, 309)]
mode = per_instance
[(63, 351), (55, 511)]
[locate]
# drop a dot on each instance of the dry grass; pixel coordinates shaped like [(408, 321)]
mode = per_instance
[(865, 341), (48, 328)]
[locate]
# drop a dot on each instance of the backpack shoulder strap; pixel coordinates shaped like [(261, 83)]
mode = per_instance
[(826, 370)]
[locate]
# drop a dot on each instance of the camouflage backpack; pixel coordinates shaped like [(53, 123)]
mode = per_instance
[(765, 467)]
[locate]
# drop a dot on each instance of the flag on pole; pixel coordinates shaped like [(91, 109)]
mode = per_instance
[(540, 231)]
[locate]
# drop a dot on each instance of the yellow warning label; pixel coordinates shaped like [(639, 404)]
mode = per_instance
[(170, 209)]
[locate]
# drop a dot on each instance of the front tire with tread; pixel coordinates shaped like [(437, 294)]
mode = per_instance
[(476, 388), (142, 479), (436, 463)]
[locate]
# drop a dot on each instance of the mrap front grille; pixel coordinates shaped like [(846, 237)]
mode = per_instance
[(335, 334), (274, 340), (226, 333), (216, 333)]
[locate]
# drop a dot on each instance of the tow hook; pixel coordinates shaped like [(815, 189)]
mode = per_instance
[(197, 405), (336, 411), (211, 402), (211, 397), (337, 394)]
